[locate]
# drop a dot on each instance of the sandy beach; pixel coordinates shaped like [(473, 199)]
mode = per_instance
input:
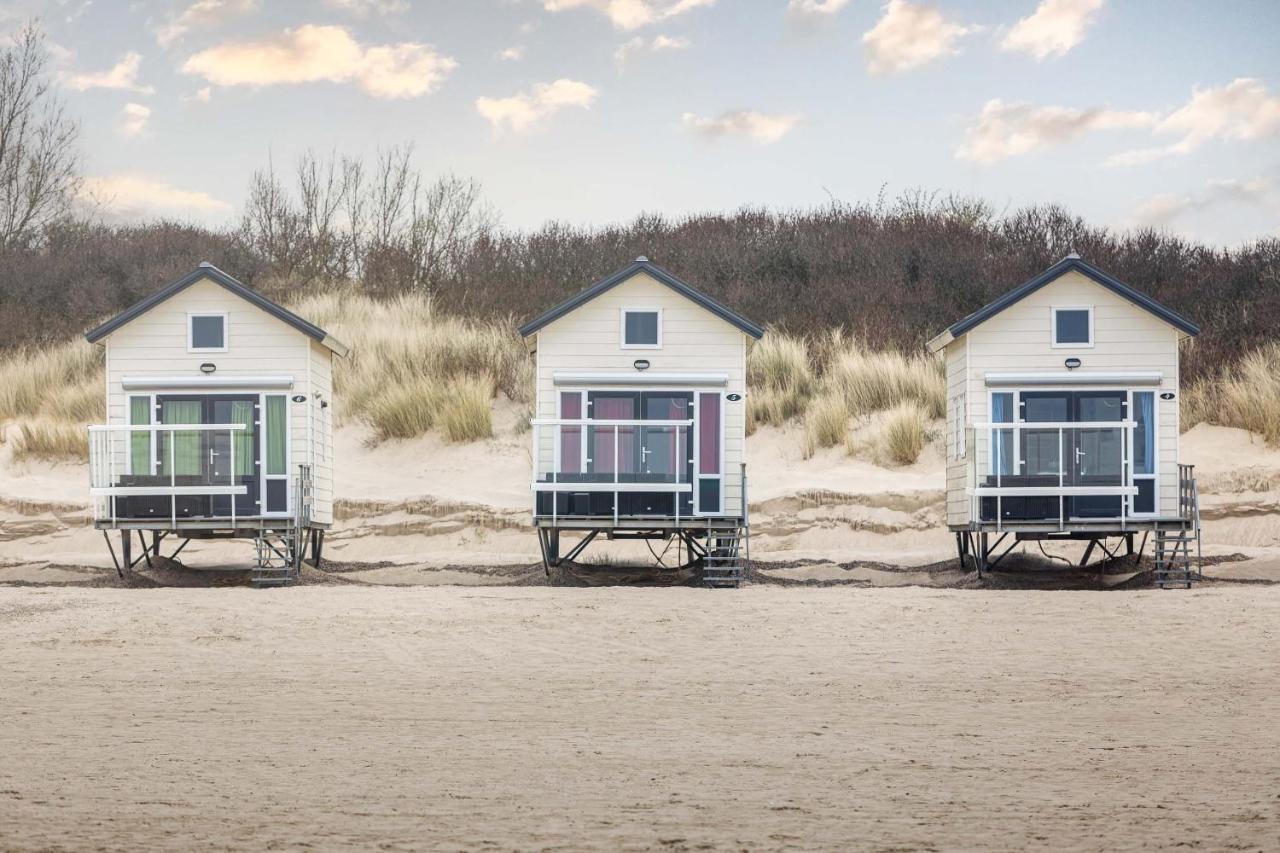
[(639, 719)]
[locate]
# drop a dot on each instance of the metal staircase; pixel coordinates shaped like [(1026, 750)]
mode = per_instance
[(277, 563), (728, 550), (1176, 567)]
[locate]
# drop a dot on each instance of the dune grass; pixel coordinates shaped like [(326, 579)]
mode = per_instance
[(52, 441), (780, 379), (1245, 395), (412, 369), (826, 424), (903, 433), (55, 381)]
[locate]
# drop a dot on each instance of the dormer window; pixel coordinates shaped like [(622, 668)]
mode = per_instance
[(207, 332), (1073, 327), (641, 328)]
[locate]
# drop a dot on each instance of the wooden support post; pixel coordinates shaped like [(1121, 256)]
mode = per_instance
[(146, 551), (1128, 544), (983, 551), (126, 549), (317, 547), (1084, 561)]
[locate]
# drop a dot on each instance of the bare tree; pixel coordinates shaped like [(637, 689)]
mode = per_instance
[(39, 152)]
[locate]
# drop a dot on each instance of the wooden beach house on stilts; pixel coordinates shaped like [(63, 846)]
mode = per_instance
[(219, 425), (640, 423), (1062, 422)]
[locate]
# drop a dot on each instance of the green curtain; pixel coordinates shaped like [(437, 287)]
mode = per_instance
[(140, 442), (276, 420), (186, 445), (242, 413)]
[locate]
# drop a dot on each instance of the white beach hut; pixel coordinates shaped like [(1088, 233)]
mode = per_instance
[(219, 424), (1062, 414), (640, 426)]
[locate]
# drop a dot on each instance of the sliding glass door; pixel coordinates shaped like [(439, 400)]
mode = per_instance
[(212, 458)]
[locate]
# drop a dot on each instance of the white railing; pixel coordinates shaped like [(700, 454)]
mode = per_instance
[(113, 448), (1068, 459), (552, 473)]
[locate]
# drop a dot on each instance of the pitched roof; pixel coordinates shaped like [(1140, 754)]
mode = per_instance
[(1067, 264), (642, 264), (208, 271)]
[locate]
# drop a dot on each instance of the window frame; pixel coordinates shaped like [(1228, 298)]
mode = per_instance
[(622, 331), (1053, 327), (226, 331)]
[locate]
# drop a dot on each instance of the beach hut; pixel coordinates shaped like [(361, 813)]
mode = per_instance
[(1062, 422), (640, 423), (219, 425)]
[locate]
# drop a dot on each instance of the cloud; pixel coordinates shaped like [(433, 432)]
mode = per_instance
[(639, 45), (365, 8), (123, 75), (522, 111), (133, 120), (812, 10), (758, 127), (514, 53), (1005, 130), (909, 35), (1241, 111), (631, 14), (202, 95), (201, 14), (1053, 29), (127, 197), (312, 54), (1161, 210)]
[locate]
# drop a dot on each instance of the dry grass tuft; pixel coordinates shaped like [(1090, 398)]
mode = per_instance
[(875, 381), (1245, 395), (826, 424), (408, 360), (903, 433), (31, 379), (780, 378), (51, 440)]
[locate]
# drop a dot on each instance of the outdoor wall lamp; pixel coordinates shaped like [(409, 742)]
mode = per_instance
[(641, 364), (1072, 363), (208, 367)]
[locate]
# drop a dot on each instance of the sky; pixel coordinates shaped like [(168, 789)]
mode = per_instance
[(1128, 112)]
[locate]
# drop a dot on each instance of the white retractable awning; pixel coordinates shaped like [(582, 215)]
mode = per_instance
[(205, 383), (639, 377), (1075, 377)]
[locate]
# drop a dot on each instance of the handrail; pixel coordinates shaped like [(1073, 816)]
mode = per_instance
[(1025, 425), (591, 422), (164, 427)]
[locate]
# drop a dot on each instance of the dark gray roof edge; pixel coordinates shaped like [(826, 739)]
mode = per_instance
[(206, 270), (1121, 289), (583, 296)]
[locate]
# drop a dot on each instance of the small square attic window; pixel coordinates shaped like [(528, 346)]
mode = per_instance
[(207, 332), (1073, 327), (641, 328)]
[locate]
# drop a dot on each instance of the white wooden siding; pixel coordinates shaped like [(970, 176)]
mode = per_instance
[(693, 341), (956, 355), (1126, 339)]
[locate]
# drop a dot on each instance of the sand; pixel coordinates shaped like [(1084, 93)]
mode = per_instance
[(639, 719)]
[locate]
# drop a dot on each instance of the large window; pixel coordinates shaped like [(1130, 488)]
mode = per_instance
[(207, 332), (276, 430), (1144, 451), (641, 328), (141, 447), (710, 475), (1073, 327)]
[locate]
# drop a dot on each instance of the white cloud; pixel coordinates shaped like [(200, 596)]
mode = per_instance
[(1241, 111), (1004, 130), (202, 95), (201, 14), (909, 35), (514, 53), (365, 8), (522, 111), (758, 127), (657, 44), (1053, 29), (631, 14), (815, 9), (133, 119), (123, 75), (1163, 209), (128, 197), (311, 54)]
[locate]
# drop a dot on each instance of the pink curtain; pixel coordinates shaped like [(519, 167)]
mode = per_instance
[(614, 409), (708, 433), (571, 436)]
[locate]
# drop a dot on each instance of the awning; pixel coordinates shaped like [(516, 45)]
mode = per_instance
[(205, 383), (640, 377), (1074, 377)]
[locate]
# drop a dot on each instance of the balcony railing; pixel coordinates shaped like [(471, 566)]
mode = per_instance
[(167, 470), (621, 457), (1051, 472)]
